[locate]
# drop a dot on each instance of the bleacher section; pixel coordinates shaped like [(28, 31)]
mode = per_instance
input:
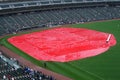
[(9, 72), (14, 22)]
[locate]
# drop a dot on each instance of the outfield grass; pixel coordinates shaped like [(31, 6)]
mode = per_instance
[(102, 67)]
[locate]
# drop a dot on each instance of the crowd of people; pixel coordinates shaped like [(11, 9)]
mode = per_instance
[(10, 72)]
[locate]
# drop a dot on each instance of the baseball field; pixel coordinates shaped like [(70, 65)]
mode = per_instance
[(101, 67)]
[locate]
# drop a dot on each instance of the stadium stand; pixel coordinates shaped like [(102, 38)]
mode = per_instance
[(10, 72), (15, 22)]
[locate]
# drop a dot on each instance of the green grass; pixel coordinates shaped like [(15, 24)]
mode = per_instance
[(105, 66)]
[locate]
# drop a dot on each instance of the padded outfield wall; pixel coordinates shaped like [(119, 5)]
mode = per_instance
[(101, 67)]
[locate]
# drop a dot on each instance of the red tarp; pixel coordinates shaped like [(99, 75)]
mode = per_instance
[(63, 44)]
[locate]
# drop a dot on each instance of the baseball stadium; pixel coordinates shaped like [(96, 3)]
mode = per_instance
[(59, 39)]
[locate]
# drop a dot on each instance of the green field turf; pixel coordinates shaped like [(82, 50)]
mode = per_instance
[(105, 66)]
